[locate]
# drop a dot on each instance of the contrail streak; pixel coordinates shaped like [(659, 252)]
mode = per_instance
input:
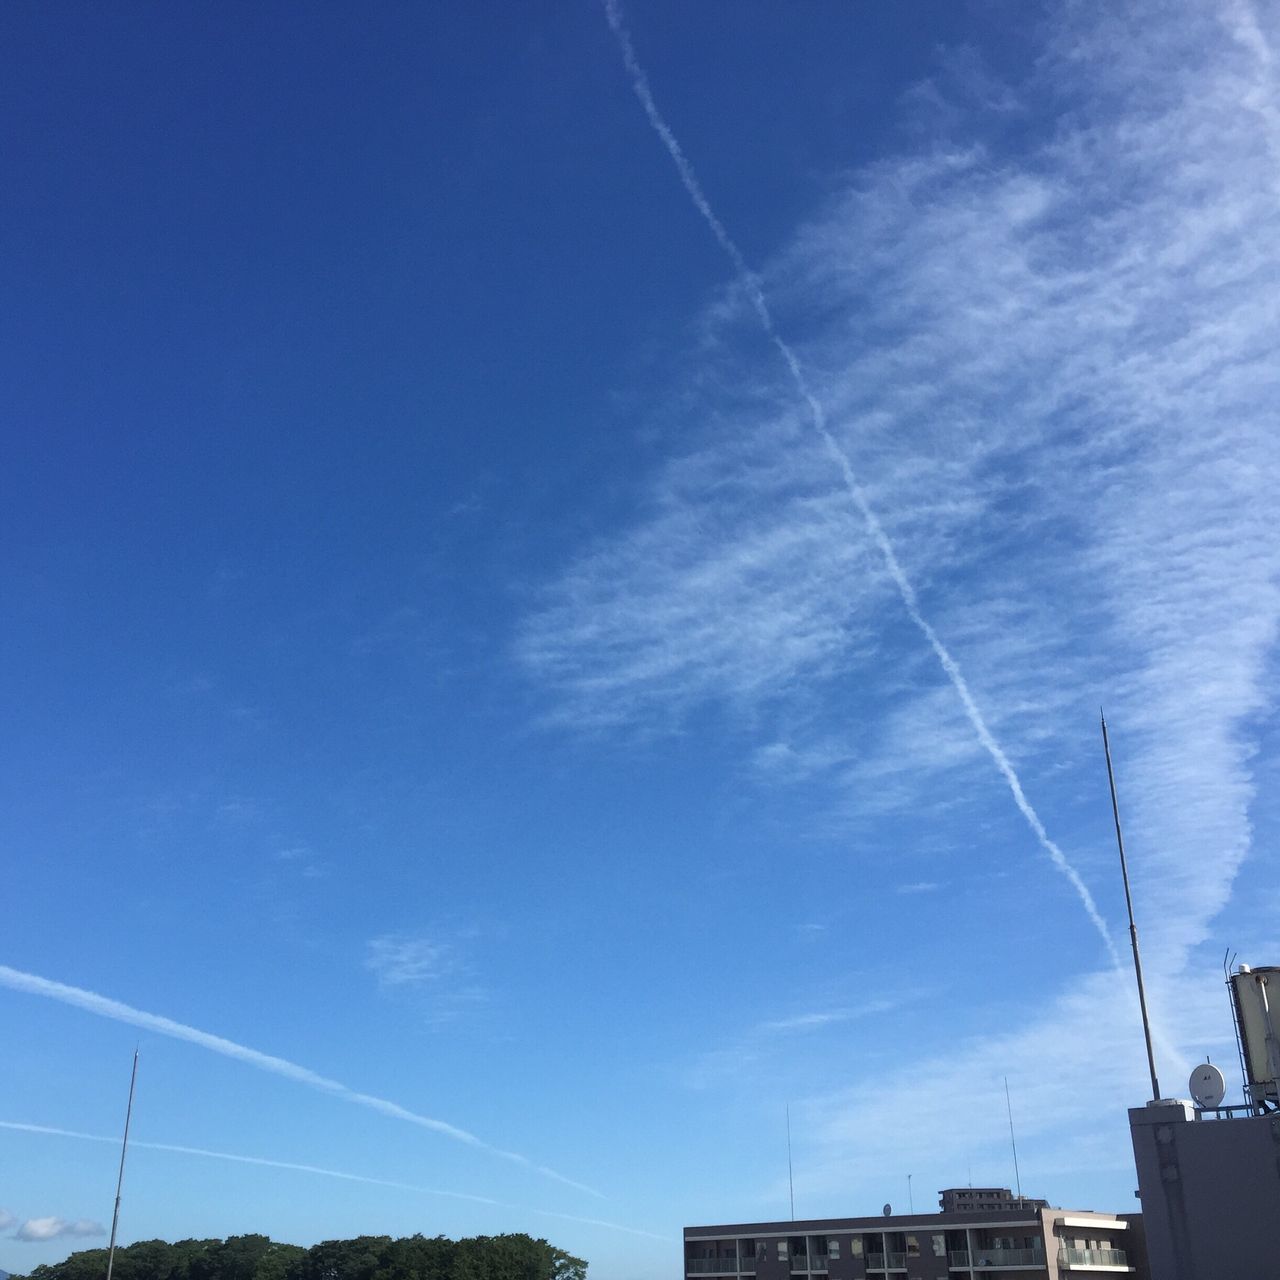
[(104, 1007), (294, 1167), (910, 601)]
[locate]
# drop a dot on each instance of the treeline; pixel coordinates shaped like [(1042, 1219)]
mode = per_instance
[(508, 1257)]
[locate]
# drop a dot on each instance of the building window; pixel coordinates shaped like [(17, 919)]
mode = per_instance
[(939, 1246), (855, 1246)]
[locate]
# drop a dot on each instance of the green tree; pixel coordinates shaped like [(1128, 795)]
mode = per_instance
[(256, 1257)]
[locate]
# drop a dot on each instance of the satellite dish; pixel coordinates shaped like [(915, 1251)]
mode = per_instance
[(888, 1211), (1207, 1086)]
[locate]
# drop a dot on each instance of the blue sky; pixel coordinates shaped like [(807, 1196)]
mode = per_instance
[(494, 734)]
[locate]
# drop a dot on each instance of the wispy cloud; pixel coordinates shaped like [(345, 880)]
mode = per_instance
[(291, 1166), (433, 974), (824, 1018), (771, 1041), (104, 1007), (1055, 370), (920, 886), (302, 859), (6, 1219), (58, 1228), (1072, 1069), (401, 961), (842, 457), (1052, 361)]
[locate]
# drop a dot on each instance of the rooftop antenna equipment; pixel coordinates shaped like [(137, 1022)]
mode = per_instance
[(124, 1147), (1133, 928), (1013, 1142), (791, 1182), (1228, 963), (1255, 990), (1207, 1086)]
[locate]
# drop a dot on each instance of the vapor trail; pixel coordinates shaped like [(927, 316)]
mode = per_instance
[(294, 1167), (910, 601), (105, 1007)]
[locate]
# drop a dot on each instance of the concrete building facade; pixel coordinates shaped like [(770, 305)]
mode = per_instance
[(1017, 1239), (1209, 1181)]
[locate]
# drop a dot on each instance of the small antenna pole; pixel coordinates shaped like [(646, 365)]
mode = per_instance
[(1013, 1142), (791, 1182), (911, 1203), (1133, 928), (1228, 961), (124, 1147)]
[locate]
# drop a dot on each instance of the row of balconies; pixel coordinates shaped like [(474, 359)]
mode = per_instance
[(957, 1258)]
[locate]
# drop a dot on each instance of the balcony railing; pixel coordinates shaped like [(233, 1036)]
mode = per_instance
[(814, 1262), (875, 1262), (1092, 1258), (958, 1258), (744, 1266), (1008, 1258), (886, 1262)]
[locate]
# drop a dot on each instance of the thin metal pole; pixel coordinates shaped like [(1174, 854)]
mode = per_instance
[(124, 1147), (1133, 928), (791, 1182), (911, 1202), (1013, 1142)]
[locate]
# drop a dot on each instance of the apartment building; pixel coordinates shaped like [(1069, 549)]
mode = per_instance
[(973, 1199), (1001, 1235)]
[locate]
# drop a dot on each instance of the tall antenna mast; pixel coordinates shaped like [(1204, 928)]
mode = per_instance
[(791, 1182), (124, 1147), (1013, 1142), (1133, 928)]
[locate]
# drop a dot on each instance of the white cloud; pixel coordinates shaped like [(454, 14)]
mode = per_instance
[(433, 975), (1055, 373), (401, 961), (767, 1045), (824, 1017), (58, 1228), (6, 1219)]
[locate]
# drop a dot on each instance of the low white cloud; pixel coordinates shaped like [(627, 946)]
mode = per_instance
[(6, 1219), (1073, 1069), (53, 1228)]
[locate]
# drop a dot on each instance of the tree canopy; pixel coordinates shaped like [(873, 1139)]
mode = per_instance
[(253, 1257)]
